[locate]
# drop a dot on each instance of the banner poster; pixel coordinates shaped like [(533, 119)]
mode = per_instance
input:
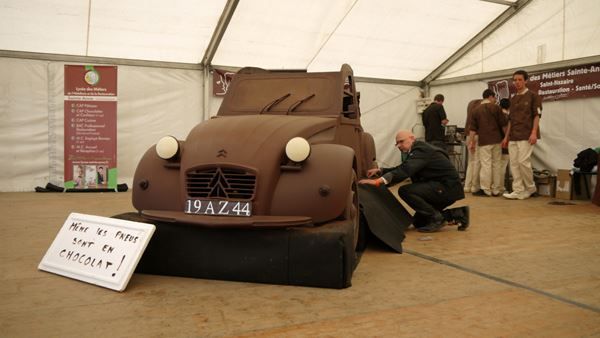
[(220, 81), (558, 84), (90, 127)]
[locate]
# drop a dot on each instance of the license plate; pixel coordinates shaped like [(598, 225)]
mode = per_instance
[(218, 207)]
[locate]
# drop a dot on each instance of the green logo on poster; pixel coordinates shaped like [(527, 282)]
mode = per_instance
[(92, 77)]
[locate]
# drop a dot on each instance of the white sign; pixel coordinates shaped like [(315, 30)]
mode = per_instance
[(98, 250)]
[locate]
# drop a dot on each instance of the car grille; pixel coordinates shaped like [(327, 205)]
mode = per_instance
[(217, 182)]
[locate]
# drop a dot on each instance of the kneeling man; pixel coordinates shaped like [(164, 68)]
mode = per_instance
[(435, 181)]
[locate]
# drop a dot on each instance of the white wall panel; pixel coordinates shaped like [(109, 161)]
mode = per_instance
[(567, 127), (24, 126)]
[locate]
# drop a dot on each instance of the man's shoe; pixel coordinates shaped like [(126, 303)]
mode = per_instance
[(457, 216), (419, 220), (481, 193), (511, 196), (523, 196), (437, 222), (432, 227), (462, 218)]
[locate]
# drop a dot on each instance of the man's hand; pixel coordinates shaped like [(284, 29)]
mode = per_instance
[(376, 182), (504, 143), (472, 146), (373, 172), (532, 139)]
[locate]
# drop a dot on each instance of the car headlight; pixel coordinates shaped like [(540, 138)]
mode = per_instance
[(167, 147), (297, 149)]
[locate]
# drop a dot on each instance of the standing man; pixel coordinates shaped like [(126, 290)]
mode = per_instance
[(489, 124), (522, 134), (434, 120), (435, 181), (472, 175)]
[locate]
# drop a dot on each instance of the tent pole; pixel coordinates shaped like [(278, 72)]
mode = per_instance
[(91, 60), (217, 36), (206, 95), (211, 49)]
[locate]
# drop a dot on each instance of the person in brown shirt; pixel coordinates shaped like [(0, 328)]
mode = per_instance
[(488, 123), (522, 134), (472, 174)]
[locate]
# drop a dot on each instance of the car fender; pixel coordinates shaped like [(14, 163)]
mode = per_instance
[(156, 183), (369, 153), (320, 188)]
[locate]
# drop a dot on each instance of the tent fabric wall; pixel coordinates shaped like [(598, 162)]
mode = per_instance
[(153, 102), (24, 126), (567, 126), (542, 32), (385, 109)]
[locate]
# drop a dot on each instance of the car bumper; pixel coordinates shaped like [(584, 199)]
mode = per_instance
[(257, 221)]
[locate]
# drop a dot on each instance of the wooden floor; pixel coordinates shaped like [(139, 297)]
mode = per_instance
[(523, 269)]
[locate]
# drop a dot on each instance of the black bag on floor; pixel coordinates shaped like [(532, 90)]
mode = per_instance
[(586, 160)]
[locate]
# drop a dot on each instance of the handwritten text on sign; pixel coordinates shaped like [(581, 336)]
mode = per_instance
[(98, 250)]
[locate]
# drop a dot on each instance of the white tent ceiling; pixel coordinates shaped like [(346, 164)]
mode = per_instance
[(389, 39)]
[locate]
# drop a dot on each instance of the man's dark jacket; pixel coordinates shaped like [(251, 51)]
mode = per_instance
[(427, 163)]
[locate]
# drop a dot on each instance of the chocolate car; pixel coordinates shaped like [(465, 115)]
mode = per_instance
[(285, 150)]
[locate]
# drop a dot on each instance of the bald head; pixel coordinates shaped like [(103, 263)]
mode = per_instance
[(402, 134), (404, 140)]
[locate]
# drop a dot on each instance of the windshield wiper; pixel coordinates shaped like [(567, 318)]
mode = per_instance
[(298, 103), (274, 102)]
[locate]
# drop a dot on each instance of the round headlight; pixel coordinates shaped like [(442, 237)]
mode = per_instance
[(297, 149), (167, 147)]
